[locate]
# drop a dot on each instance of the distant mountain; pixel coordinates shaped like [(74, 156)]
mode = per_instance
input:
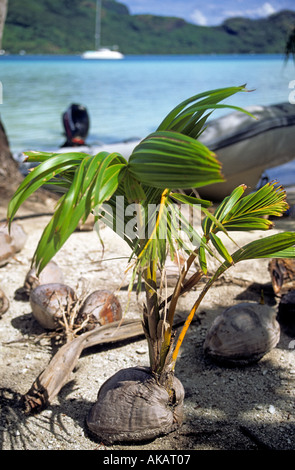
[(67, 27)]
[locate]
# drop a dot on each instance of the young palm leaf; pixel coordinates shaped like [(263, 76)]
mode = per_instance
[(87, 180), (238, 213), (188, 117), (173, 160)]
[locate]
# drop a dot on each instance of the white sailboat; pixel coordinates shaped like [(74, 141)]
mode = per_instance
[(100, 52)]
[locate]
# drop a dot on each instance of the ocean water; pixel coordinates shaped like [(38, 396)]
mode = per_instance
[(126, 99)]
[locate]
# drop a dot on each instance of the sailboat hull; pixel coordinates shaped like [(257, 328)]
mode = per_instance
[(103, 53)]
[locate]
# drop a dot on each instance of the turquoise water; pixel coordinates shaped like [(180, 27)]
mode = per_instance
[(125, 99)]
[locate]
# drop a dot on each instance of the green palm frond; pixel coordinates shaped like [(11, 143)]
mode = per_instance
[(88, 180), (280, 245), (270, 200), (190, 200), (268, 247), (242, 213), (173, 160), (52, 166), (188, 117), (237, 213)]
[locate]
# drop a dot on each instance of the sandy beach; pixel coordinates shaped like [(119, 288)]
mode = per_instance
[(243, 408)]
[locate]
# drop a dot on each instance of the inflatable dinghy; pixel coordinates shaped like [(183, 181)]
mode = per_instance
[(246, 147)]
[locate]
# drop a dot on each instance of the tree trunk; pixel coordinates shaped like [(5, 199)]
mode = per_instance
[(10, 176), (3, 11), (9, 172), (8, 165)]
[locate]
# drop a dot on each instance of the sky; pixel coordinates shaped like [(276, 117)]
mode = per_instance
[(210, 12)]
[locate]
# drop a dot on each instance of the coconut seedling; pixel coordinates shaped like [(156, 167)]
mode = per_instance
[(143, 403)]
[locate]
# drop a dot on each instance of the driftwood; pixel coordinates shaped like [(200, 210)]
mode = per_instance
[(282, 273), (48, 384)]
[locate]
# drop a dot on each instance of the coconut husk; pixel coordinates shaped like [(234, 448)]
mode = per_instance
[(282, 273), (4, 303)]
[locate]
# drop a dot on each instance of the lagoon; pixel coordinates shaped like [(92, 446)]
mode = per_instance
[(125, 99)]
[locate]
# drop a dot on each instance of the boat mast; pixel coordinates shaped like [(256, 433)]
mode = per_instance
[(97, 24)]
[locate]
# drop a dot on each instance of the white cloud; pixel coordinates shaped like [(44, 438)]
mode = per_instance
[(266, 9), (198, 18)]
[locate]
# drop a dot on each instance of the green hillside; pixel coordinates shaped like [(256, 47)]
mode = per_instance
[(67, 27)]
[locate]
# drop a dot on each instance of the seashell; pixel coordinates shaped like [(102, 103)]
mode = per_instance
[(132, 406), (242, 334), (48, 302), (49, 275), (102, 306)]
